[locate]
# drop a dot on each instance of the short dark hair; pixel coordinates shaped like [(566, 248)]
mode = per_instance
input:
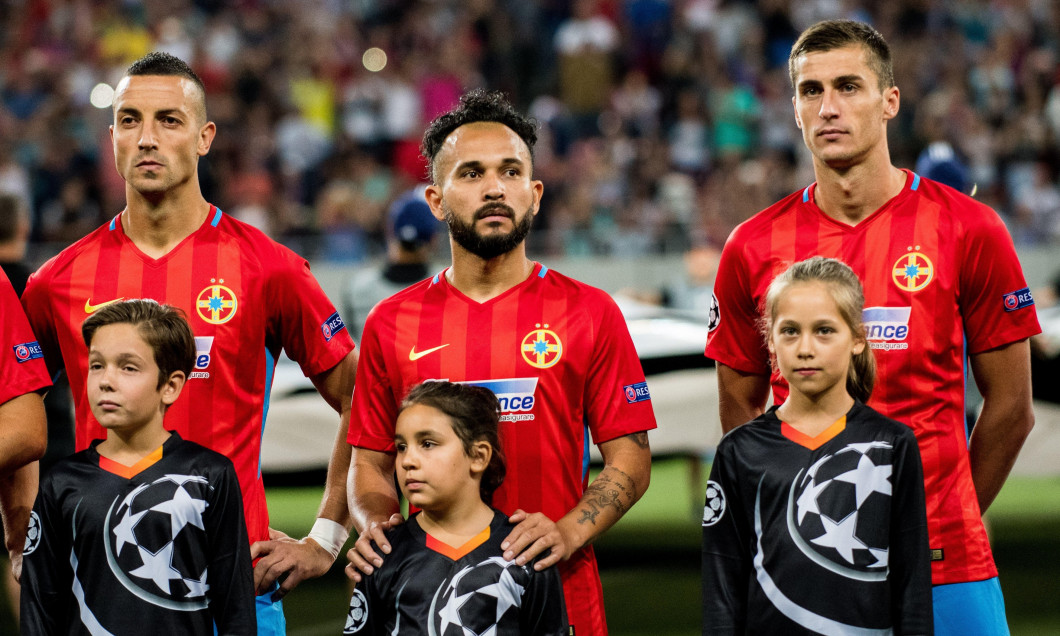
[(11, 210), (829, 35), (162, 63), (475, 106), (163, 328), (474, 412)]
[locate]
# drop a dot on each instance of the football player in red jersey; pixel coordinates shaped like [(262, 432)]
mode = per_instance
[(555, 351), (24, 377), (941, 278), (246, 298)]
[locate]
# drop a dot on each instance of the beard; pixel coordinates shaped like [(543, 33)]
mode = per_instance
[(489, 246)]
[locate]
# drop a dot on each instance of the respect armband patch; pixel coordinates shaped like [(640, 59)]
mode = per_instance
[(1018, 299), (27, 351), (636, 392)]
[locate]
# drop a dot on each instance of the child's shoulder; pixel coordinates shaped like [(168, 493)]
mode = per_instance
[(203, 456), (862, 414)]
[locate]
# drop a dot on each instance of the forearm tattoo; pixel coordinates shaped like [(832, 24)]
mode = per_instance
[(611, 489)]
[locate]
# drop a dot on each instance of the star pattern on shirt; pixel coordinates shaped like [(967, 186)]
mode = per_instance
[(157, 567), (807, 502), (840, 536), (507, 592), (867, 478), (183, 509), (197, 587), (123, 532)]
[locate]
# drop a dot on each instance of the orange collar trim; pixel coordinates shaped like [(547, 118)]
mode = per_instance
[(815, 442), (457, 553), (129, 472)]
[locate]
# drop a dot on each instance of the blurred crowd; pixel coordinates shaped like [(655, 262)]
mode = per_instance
[(664, 122)]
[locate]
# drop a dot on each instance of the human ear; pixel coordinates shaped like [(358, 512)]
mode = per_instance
[(480, 453), (172, 387)]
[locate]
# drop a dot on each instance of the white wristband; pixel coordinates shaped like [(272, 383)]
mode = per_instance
[(329, 535)]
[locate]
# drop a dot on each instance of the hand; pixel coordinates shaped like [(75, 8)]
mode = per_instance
[(534, 534), (287, 560), (362, 557)]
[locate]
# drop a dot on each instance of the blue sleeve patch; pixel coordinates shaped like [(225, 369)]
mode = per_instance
[(332, 326), (1018, 299), (636, 392), (27, 351)]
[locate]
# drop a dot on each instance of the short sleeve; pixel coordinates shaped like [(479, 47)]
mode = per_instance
[(733, 338), (22, 365), (995, 302), (374, 403), (617, 399), (544, 610), (302, 318)]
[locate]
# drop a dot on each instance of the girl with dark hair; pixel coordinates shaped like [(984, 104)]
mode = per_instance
[(445, 566)]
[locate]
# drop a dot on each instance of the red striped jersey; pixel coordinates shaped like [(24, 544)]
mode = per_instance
[(245, 297), (941, 279), (22, 367), (559, 357)]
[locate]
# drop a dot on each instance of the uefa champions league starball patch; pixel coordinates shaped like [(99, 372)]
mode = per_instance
[(357, 616), (33, 534), (714, 506), (153, 541)]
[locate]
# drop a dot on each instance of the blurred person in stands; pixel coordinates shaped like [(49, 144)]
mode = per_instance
[(556, 352), (409, 244), (941, 278), (246, 298)]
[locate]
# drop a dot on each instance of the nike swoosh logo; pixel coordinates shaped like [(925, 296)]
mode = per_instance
[(90, 308), (416, 355)]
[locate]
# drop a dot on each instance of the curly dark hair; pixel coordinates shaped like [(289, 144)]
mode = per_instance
[(477, 105), (474, 413)]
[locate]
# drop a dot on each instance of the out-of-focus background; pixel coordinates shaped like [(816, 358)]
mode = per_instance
[(664, 124)]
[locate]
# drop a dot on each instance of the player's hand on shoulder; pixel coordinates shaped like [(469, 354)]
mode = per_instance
[(287, 560), (362, 556), (535, 534)]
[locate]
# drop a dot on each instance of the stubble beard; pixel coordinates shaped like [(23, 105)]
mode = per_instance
[(492, 245)]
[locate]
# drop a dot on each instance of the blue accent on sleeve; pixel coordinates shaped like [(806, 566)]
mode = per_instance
[(216, 218), (544, 270), (585, 451), (916, 182), (270, 372)]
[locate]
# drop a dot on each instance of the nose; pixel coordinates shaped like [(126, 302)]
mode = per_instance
[(829, 105), (147, 136), (492, 187), (105, 383), (408, 460), (805, 348)]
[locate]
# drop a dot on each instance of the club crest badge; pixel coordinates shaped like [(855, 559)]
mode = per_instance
[(216, 303), (913, 271), (541, 348)]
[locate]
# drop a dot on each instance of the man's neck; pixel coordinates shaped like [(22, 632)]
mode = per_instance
[(482, 280), (850, 196), (156, 227)]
